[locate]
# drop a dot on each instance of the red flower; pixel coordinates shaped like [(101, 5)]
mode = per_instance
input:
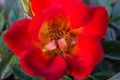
[(63, 36)]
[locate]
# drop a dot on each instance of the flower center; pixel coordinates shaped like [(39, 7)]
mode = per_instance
[(57, 39)]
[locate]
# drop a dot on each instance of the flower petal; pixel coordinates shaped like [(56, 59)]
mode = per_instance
[(38, 5), (86, 55), (97, 22), (40, 21), (75, 10), (17, 37), (35, 63)]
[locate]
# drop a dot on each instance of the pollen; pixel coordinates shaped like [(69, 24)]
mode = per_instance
[(57, 39)]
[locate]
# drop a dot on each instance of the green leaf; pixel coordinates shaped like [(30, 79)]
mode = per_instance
[(116, 24), (1, 50), (114, 19), (116, 9), (5, 61), (2, 43), (106, 4), (17, 71), (2, 20), (26, 5), (111, 35), (66, 78), (112, 49), (105, 65), (27, 8), (15, 13), (111, 1), (87, 2), (8, 4), (8, 71), (34, 78), (90, 77), (118, 34), (115, 77), (104, 75)]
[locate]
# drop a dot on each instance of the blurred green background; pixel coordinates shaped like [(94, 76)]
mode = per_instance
[(109, 68)]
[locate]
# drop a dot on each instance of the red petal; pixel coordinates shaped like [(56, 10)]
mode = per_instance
[(40, 19), (35, 63), (38, 5), (86, 55), (75, 10), (17, 37), (97, 22)]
